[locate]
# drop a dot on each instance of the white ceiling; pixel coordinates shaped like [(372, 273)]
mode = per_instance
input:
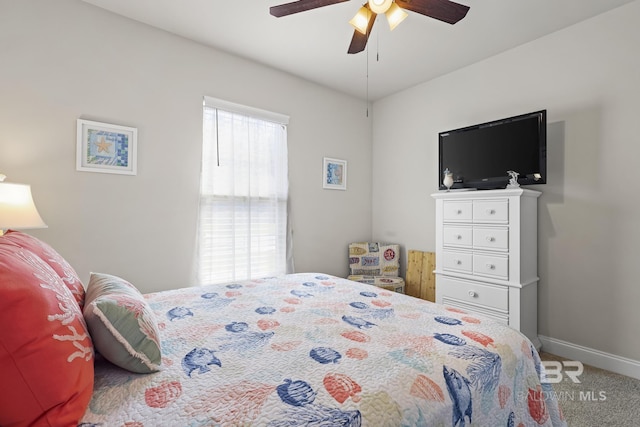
[(313, 44)]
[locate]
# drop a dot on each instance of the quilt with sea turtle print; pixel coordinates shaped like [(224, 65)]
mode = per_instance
[(316, 350)]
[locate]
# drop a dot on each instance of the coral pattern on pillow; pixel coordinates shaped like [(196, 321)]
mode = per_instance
[(122, 325), (53, 258), (46, 354)]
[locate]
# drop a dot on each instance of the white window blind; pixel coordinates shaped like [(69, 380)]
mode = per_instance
[(243, 194)]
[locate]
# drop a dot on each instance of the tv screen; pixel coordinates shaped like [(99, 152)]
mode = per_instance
[(479, 156)]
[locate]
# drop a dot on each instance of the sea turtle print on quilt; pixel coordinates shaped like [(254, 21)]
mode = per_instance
[(316, 350)]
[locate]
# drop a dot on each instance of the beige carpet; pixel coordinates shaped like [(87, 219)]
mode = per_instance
[(601, 398)]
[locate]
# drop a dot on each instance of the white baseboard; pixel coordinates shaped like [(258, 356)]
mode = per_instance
[(589, 356)]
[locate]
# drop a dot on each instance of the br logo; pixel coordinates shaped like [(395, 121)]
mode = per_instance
[(554, 370)]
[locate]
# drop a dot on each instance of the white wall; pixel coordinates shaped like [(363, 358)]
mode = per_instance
[(64, 60), (586, 76)]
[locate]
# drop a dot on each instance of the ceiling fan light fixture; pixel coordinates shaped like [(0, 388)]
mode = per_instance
[(380, 6), (361, 20), (395, 15)]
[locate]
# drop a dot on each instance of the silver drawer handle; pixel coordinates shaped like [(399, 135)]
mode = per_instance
[(458, 236), (491, 211), (459, 211), (472, 294), (457, 262), (491, 266), (491, 239)]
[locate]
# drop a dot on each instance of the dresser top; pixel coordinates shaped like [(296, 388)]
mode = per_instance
[(479, 194)]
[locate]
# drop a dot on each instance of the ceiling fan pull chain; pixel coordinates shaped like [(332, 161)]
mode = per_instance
[(367, 80), (377, 46)]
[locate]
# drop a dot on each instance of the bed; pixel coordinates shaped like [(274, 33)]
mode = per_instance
[(312, 350)]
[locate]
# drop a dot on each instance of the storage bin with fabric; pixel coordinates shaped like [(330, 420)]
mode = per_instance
[(376, 264)]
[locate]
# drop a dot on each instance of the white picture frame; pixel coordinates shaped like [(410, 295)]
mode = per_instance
[(334, 174), (106, 148)]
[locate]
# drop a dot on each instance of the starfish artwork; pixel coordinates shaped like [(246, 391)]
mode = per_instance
[(107, 148), (103, 146)]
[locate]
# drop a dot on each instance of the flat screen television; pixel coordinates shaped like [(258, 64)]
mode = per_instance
[(479, 156)]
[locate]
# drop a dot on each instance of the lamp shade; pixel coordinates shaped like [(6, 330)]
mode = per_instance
[(395, 15), (361, 21), (17, 210), (380, 6)]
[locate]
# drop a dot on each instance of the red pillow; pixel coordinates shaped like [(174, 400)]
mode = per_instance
[(53, 258), (46, 353)]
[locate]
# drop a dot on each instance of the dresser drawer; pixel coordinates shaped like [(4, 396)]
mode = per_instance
[(494, 297), (491, 238), (491, 265), (491, 211), (457, 261), (457, 236), (457, 210)]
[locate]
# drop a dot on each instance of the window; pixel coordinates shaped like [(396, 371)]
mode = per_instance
[(243, 194)]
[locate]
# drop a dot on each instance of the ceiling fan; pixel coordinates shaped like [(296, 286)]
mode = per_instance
[(443, 10)]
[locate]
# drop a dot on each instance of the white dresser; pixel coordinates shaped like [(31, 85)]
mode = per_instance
[(487, 255)]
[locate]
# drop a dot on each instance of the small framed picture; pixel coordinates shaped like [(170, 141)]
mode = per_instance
[(334, 174), (106, 148)]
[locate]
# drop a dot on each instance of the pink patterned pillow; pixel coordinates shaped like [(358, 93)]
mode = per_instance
[(46, 353), (51, 257)]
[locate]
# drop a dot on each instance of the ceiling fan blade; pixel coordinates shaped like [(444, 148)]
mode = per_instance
[(359, 40), (300, 6), (442, 10)]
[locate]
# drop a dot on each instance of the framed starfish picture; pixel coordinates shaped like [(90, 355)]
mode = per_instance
[(106, 148)]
